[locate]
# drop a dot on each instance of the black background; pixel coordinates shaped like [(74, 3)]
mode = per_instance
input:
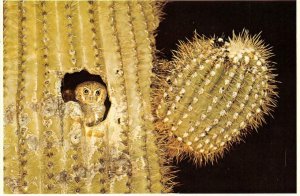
[(266, 161)]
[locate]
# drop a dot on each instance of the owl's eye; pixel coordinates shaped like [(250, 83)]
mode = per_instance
[(85, 91), (97, 93)]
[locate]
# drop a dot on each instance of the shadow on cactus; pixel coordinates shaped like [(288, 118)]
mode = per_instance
[(61, 137)]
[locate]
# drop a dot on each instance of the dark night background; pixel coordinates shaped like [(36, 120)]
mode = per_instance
[(266, 161)]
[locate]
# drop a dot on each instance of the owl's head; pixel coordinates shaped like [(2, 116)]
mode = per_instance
[(90, 92)]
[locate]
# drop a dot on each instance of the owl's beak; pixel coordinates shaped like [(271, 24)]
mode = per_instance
[(91, 99)]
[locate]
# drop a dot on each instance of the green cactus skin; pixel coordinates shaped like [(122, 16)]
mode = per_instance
[(196, 105), (214, 93)]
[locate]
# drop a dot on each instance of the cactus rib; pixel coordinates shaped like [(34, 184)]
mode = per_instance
[(10, 72)]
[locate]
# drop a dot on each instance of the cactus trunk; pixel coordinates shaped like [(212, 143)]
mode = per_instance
[(47, 148)]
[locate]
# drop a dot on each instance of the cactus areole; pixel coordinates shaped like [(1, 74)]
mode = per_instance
[(196, 105)]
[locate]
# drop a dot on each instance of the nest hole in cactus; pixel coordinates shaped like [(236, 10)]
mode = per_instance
[(71, 80)]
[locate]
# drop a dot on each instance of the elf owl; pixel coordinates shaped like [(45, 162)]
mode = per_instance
[(91, 96)]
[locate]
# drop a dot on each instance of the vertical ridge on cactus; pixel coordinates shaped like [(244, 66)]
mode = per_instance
[(10, 76), (129, 61), (50, 122), (95, 40), (29, 128), (115, 73)]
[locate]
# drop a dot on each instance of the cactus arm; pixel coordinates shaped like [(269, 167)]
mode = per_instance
[(201, 81), (221, 92), (10, 76)]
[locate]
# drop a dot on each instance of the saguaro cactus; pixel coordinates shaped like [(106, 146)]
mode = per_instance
[(196, 104)]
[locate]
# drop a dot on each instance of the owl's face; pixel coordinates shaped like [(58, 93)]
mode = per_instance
[(90, 93)]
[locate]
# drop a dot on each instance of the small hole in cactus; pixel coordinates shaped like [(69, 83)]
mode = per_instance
[(71, 80)]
